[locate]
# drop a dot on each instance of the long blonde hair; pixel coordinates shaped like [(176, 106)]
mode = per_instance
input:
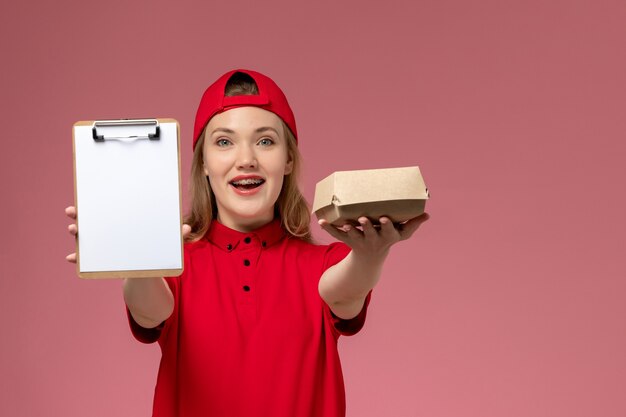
[(291, 206)]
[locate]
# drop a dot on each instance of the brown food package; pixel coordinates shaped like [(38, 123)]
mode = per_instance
[(344, 196)]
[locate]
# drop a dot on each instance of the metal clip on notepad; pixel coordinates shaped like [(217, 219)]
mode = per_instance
[(134, 124)]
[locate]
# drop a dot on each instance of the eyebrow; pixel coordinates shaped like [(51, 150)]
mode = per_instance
[(259, 130)]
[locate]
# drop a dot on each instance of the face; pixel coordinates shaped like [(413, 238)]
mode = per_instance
[(246, 160)]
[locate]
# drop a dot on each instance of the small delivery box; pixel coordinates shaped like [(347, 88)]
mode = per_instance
[(397, 193)]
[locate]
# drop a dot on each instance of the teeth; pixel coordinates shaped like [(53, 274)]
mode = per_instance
[(248, 181)]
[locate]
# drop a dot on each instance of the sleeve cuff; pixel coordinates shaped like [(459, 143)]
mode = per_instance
[(352, 326), (142, 334)]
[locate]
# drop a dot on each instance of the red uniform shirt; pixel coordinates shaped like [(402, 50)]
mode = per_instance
[(250, 335)]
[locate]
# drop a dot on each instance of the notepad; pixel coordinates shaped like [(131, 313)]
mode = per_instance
[(128, 198)]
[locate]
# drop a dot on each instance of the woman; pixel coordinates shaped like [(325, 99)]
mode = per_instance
[(251, 326)]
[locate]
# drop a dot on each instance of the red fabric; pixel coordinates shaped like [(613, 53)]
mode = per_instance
[(268, 351), (270, 98)]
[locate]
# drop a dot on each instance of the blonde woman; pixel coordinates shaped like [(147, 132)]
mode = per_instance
[(251, 326)]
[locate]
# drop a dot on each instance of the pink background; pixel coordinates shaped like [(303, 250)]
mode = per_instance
[(508, 302)]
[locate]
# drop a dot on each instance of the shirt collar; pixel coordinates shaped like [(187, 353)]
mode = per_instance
[(228, 239)]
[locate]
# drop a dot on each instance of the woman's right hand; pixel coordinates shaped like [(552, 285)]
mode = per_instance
[(73, 229)]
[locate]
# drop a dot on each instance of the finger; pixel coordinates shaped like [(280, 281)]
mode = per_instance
[(332, 230), (73, 229), (387, 229), (71, 212), (368, 229), (71, 258), (412, 225), (343, 228), (353, 232), (186, 230)]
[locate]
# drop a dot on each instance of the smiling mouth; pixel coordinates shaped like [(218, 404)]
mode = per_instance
[(247, 184)]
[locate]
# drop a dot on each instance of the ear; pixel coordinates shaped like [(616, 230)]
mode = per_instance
[(206, 171), (289, 164)]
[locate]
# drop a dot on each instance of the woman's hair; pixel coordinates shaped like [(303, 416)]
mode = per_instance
[(291, 206)]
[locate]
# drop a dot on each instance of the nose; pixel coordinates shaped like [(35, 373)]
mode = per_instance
[(246, 158)]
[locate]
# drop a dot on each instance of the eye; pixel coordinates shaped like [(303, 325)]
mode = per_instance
[(266, 142), (222, 142)]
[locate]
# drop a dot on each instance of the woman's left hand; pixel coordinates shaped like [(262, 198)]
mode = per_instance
[(373, 241)]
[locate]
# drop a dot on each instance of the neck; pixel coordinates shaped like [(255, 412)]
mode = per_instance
[(244, 225)]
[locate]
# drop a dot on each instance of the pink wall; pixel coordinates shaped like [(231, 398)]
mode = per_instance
[(509, 301)]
